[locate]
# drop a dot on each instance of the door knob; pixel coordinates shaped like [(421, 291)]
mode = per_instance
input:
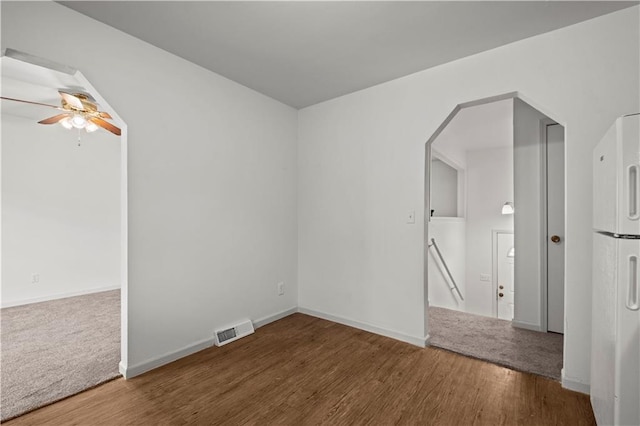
[(501, 294), (501, 287), (555, 239)]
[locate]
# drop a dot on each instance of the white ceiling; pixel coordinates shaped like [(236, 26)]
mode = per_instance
[(302, 53), (479, 127)]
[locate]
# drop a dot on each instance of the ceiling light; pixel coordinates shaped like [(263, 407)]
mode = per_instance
[(66, 123), (90, 127), (78, 121), (507, 208)]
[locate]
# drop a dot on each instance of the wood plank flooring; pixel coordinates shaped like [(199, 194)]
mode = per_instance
[(303, 370)]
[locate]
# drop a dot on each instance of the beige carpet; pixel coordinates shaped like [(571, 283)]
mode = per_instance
[(55, 349), (495, 340)]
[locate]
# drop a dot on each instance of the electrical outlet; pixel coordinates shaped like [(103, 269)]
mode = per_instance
[(485, 277), (280, 289), (35, 278), (411, 216)]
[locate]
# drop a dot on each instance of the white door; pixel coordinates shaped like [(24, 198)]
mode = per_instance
[(555, 228), (505, 264)]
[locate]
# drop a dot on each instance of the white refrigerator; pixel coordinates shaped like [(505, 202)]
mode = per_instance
[(615, 342)]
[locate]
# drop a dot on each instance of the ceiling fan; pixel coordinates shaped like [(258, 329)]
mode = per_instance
[(80, 112)]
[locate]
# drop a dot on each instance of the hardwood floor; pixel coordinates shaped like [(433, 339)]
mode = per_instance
[(303, 370)]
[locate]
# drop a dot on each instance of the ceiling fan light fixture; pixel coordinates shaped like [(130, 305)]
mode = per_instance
[(90, 127), (79, 111), (78, 121), (66, 123)]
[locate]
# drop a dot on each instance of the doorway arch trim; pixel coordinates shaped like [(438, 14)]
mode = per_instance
[(427, 207)]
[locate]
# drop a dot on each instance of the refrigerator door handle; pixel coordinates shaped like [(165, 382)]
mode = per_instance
[(632, 292), (633, 185)]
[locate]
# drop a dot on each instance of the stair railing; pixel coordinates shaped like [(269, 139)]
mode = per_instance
[(446, 268)]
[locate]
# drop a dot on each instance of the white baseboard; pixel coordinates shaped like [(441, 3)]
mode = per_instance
[(575, 384), (526, 325), (414, 340), (57, 296), (143, 367), (275, 317)]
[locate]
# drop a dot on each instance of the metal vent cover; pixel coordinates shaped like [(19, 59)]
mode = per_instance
[(227, 334), (232, 333)]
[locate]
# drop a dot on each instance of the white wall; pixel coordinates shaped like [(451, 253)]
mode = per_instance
[(212, 180), (444, 189), (446, 147), (450, 235), (490, 185), (60, 211), (527, 204), (212, 211), (361, 168)]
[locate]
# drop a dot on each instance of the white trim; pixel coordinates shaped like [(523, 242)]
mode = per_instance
[(447, 219), (57, 296), (526, 325), (414, 340), (575, 384), (544, 227), (143, 367), (275, 317), (426, 229), (458, 107), (124, 215), (35, 60)]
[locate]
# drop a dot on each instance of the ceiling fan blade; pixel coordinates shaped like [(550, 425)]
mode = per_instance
[(106, 115), (54, 119), (105, 125), (72, 100), (29, 102)]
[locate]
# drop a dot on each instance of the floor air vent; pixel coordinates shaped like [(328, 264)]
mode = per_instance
[(229, 334)]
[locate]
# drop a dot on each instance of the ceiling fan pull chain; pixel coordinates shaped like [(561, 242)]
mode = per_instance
[(78, 137)]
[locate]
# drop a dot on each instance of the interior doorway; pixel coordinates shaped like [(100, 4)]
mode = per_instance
[(471, 184), (503, 250), (64, 234)]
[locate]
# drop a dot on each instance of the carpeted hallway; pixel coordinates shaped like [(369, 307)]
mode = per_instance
[(495, 340), (55, 349)]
